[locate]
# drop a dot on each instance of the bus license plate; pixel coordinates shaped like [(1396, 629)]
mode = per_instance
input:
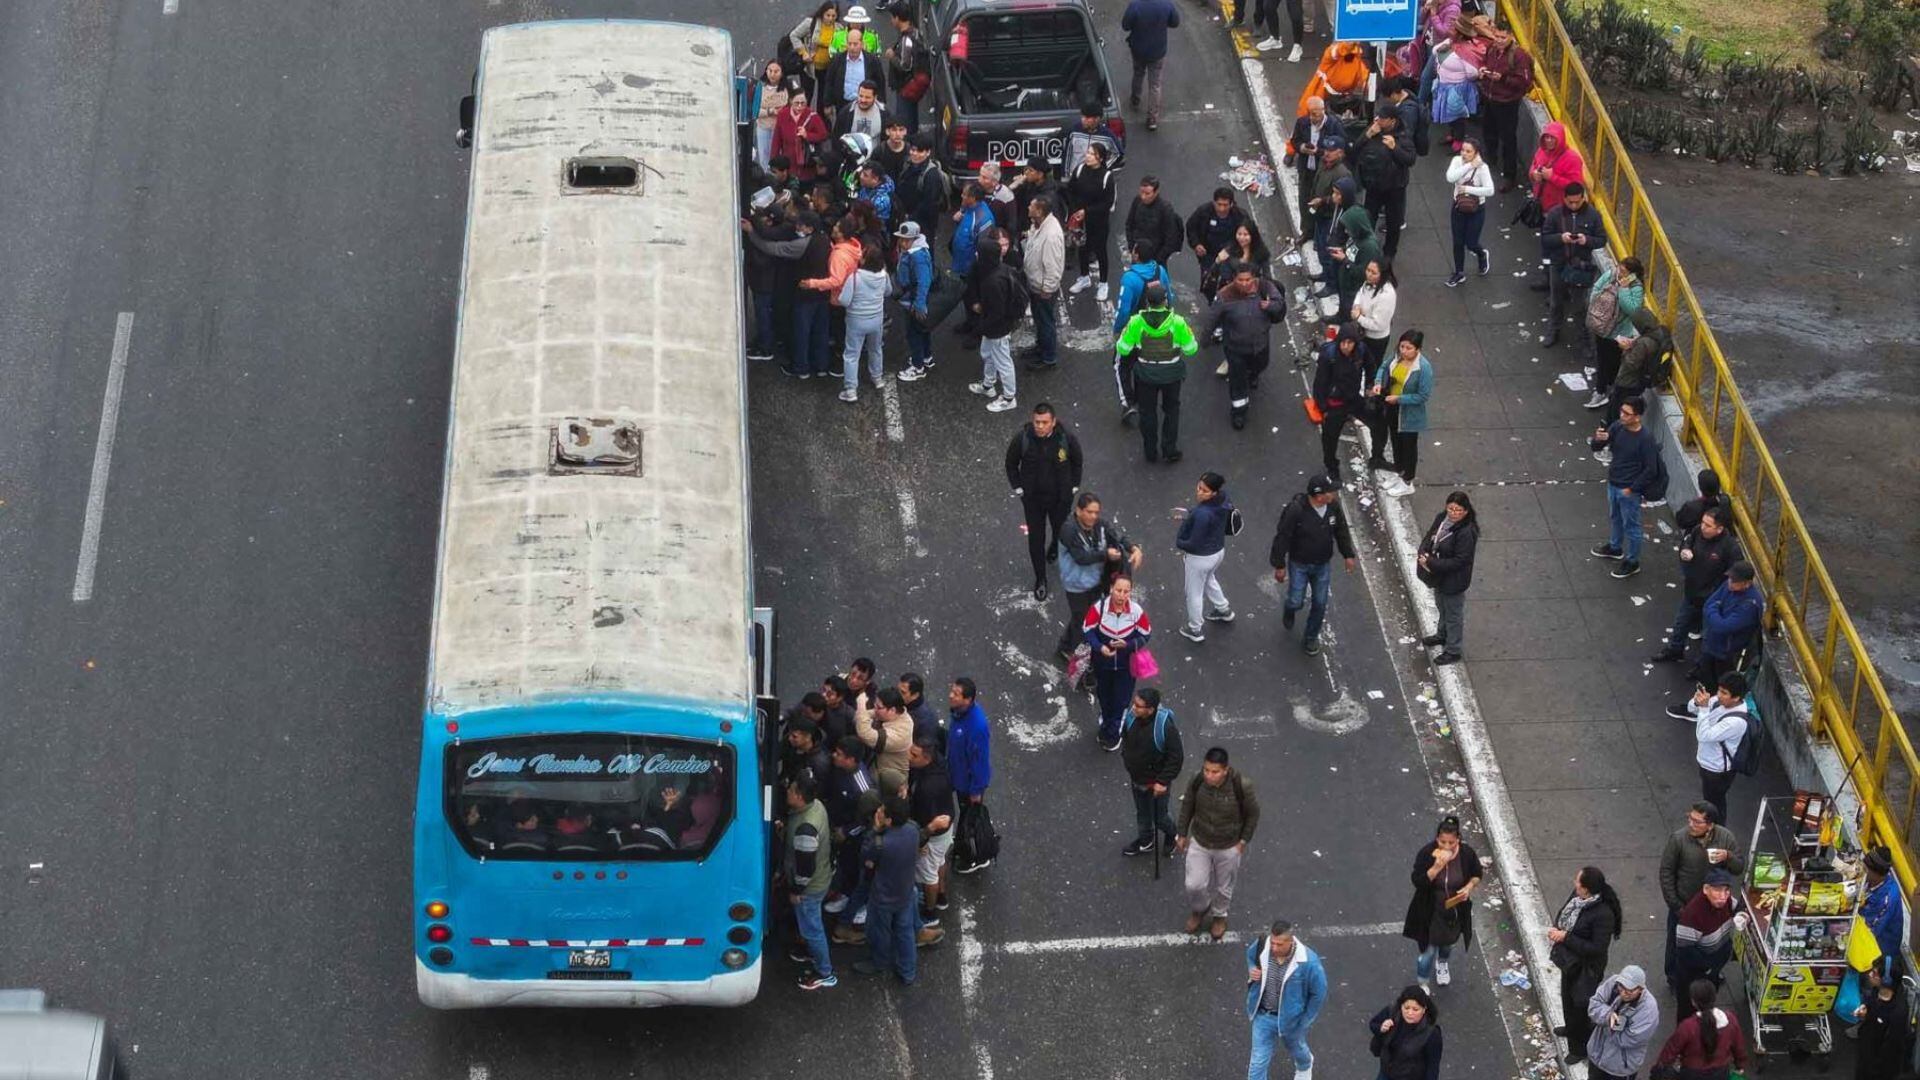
[(589, 959)]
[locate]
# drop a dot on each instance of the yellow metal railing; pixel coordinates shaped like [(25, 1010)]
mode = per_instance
[(1850, 706)]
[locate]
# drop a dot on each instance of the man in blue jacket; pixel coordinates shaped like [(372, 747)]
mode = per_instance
[(1633, 462), (969, 755), (1146, 23), (1286, 987), (1729, 619), (913, 285)]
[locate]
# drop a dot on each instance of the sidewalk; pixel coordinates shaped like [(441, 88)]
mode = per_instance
[(1556, 709)]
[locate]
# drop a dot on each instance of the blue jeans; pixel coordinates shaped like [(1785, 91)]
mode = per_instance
[(890, 939), (1046, 327), (1623, 522), (1423, 964), (810, 333), (1320, 577), (1466, 236), (862, 334), (1428, 72), (919, 342), (1266, 1035), (806, 912), (762, 322)]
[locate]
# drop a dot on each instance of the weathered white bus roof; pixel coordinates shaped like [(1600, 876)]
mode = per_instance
[(580, 304)]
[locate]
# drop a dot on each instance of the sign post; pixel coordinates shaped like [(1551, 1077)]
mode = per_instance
[(1375, 20)]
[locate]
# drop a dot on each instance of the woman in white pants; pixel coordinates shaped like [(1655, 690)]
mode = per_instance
[(1203, 543)]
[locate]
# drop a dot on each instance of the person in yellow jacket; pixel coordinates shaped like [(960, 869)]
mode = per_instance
[(1162, 341)]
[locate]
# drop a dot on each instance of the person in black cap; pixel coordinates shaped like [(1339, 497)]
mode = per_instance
[(1311, 526), (1703, 936), (920, 193)]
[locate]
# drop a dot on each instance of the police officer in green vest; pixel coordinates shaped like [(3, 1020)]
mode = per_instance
[(1160, 342)]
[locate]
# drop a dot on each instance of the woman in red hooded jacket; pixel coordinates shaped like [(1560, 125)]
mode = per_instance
[(1555, 165), (798, 133)]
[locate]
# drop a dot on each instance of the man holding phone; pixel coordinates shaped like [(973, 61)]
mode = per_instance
[(1624, 1018)]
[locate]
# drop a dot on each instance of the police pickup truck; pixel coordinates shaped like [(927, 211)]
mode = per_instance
[(1010, 78)]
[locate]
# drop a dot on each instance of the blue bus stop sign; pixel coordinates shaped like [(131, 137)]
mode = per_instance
[(1374, 20)]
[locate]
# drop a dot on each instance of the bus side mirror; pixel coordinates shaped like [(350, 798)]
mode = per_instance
[(464, 137)]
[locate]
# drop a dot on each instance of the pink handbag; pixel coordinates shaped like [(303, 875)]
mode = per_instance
[(1142, 664)]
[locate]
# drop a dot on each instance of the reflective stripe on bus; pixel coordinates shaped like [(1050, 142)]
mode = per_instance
[(610, 943)]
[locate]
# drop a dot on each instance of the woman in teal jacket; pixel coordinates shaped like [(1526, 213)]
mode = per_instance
[(1398, 412), (1607, 348)]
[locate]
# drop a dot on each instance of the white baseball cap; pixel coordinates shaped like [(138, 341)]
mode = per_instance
[(856, 16)]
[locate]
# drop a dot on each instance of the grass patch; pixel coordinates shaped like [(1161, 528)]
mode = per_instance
[(1735, 28)]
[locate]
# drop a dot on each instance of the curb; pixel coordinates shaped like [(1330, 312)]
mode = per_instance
[(1502, 825)]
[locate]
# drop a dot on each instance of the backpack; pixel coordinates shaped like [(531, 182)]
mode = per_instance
[(1603, 310), (1161, 719), (1746, 756), (1239, 792), (976, 841)]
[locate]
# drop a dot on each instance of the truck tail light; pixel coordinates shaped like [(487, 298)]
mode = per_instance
[(957, 141)]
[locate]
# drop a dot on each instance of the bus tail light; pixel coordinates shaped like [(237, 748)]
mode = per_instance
[(440, 955), (437, 909), (741, 911), (734, 958), (740, 935), (439, 934)]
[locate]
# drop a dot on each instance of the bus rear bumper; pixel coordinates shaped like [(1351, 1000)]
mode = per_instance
[(451, 990)]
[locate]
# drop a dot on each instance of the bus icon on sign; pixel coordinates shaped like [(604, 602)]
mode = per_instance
[(1048, 148)]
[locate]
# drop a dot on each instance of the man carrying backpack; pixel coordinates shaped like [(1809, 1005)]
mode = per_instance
[(1150, 750), (1720, 722), (1158, 341), (1218, 815)]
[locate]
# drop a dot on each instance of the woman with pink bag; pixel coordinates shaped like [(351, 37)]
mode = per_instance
[(1117, 629)]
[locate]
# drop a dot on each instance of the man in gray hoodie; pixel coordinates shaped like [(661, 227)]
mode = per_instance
[(1046, 259), (1624, 1019)]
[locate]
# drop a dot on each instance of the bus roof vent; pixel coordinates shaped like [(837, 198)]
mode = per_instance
[(598, 445), (602, 175)]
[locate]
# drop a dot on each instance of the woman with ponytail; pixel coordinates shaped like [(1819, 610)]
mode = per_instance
[(1586, 928), (1705, 1045)]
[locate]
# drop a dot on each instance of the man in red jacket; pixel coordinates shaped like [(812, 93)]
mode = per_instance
[(1506, 77)]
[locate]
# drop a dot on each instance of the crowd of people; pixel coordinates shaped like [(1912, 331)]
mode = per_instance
[(854, 226)]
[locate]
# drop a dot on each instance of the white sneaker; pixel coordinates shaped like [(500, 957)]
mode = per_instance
[(984, 389), (1597, 401), (849, 395), (1222, 369), (1081, 284), (1270, 44), (1441, 976), (1293, 55), (877, 382), (912, 374), (1100, 294), (1396, 487), (1003, 404)]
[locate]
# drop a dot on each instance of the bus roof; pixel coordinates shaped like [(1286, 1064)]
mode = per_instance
[(616, 304)]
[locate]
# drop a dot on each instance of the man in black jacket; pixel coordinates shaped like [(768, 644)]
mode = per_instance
[(930, 795), (921, 192), (806, 254), (1707, 552), (1382, 159), (1569, 235), (1243, 320), (1043, 469), (1153, 221), (1311, 526), (841, 83), (1210, 230), (770, 280), (1150, 750)]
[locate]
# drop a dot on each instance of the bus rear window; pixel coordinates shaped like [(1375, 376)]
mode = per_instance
[(1030, 61), (589, 797)]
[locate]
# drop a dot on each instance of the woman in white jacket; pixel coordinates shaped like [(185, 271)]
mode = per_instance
[(1472, 184), (1373, 307)]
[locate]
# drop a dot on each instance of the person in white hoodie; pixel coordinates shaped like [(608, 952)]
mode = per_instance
[(1373, 307), (1046, 263), (1472, 184), (864, 296)]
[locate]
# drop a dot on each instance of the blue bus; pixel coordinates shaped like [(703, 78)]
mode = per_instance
[(593, 819)]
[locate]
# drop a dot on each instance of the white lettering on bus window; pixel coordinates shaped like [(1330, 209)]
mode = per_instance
[(661, 763)]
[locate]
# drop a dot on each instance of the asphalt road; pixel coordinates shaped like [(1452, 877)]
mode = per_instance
[(208, 767)]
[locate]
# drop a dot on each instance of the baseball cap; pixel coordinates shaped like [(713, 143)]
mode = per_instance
[(1720, 878), (1321, 485), (908, 230), (856, 16), (1633, 977)]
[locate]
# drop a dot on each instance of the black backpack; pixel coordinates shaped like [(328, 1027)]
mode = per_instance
[(976, 841), (1746, 756)]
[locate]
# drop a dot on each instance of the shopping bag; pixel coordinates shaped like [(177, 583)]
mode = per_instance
[(1862, 947), (1848, 1000), (1078, 663), (1312, 407), (1143, 665)]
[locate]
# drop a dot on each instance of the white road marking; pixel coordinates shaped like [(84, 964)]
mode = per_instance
[(478, 1072), (890, 404), (902, 1053), (102, 460), (910, 523), (1344, 717), (1239, 727), (972, 960), (170, 7), (1172, 940)]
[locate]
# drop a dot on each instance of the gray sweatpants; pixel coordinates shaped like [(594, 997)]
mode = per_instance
[(1210, 876)]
